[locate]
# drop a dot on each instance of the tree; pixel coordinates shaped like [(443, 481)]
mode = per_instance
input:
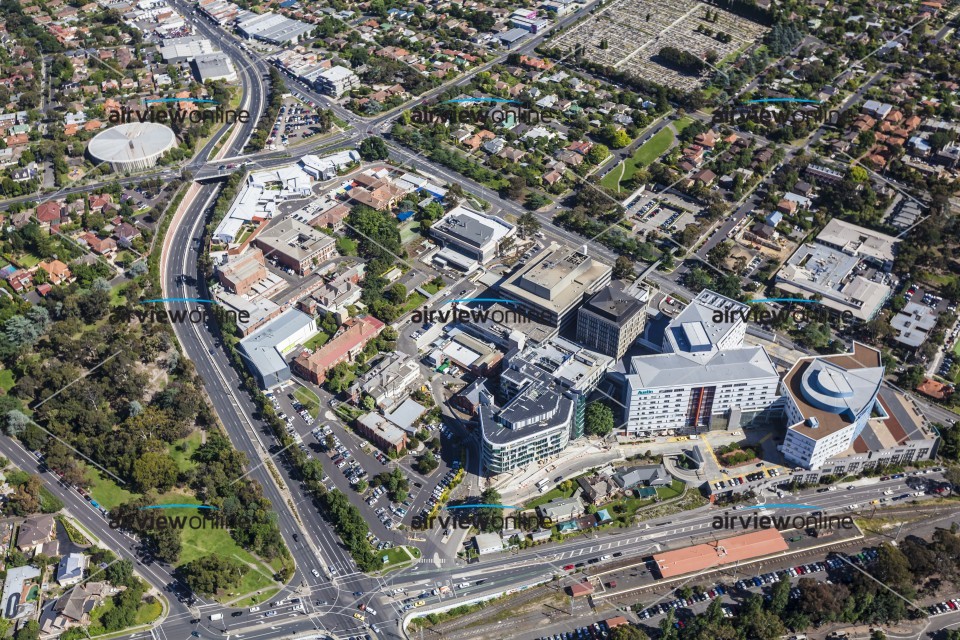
[(617, 137), (426, 463), (598, 153), (361, 486), (952, 475), (599, 419), (628, 632), (535, 200), (623, 268), (29, 631), (154, 470), (528, 224), (16, 421), (211, 574), (374, 148), (26, 498), (489, 514), (515, 187), (339, 377)]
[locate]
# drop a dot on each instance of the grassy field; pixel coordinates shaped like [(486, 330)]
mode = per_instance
[(675, 489), (308, 399), (682, 123), (7, 379), (643, 156), (205, 541), (431, 288), (409, 231), (106, 491), (146, 613), (184, 449)]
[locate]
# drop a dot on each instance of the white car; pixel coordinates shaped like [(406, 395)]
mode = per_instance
[(254, 609), (463, 585), (316, 574)]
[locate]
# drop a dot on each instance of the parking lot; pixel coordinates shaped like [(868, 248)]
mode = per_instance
[(833, 568), (297, 121)]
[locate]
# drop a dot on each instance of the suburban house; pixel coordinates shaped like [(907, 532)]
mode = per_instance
[(34, 532), (57, 272), (562, 509), (648, 475)]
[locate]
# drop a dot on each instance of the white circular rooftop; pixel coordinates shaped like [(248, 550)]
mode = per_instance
[(132, 143)]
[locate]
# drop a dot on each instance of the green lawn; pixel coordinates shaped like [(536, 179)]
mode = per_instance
[(205, 541), (413, 301), (148, 612), (182, 451), (675, 489), (431, 288), (645, 155), (346, 246), (309, 399), (28, 261), (553, 494), (317, 341), (682, 123), (7, 379), (106, 491)]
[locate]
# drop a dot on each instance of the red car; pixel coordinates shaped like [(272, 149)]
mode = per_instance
[(569, 567)]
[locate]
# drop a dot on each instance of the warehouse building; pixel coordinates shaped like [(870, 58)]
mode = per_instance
[(264, 349)]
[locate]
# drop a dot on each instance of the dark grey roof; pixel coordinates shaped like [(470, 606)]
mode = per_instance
[(467, 229), (613, 304)]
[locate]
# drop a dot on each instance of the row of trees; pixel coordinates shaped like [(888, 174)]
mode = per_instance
[(259, 137)]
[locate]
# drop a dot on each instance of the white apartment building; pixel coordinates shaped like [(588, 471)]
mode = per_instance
[(828, 402), (703, 374), (336, 81)]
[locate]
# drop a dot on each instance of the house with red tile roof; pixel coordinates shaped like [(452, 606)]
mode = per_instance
[(49, 213), (98, 245), (57, 272)]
